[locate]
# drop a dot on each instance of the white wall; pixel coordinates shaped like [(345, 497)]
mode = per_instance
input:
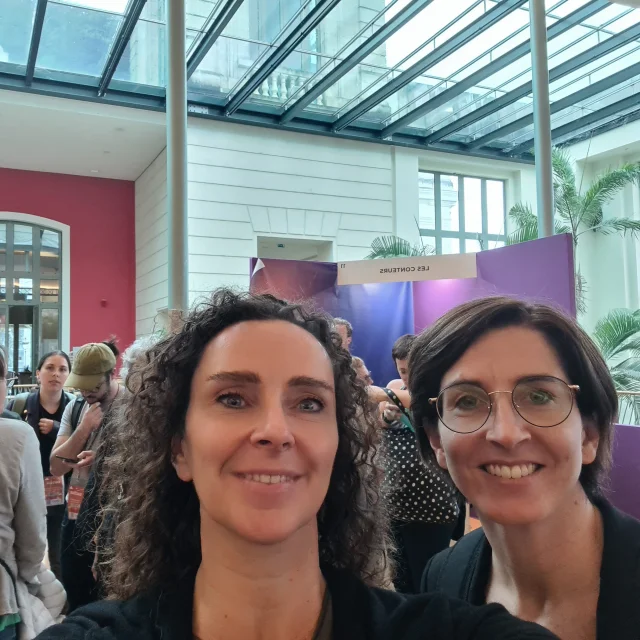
[(152, 255), (250, 183), (246, 182), (610, 264)]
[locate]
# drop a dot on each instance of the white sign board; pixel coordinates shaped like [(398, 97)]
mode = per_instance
[(408, 269)]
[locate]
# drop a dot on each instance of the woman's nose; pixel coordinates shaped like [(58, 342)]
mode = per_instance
[(506, 427), (274, 430)]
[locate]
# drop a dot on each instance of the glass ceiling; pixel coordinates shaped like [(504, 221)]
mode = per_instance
[(443, 74)]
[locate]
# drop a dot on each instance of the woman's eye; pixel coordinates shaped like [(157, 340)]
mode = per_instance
[(538, 396), (232, 400), (466, 403), (311, 405)]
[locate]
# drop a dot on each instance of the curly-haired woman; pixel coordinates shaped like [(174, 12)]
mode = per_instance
[(241, 504)]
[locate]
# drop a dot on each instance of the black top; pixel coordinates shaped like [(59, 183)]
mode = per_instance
[(359, 612), (618, 613), (33, 413)]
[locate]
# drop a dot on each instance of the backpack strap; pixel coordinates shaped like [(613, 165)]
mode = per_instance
[(451, 571), (5, 566), (18, 404), (76, 411)]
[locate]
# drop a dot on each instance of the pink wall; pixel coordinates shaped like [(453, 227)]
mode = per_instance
[(101, 215)]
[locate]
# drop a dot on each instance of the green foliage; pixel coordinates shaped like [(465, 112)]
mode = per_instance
[(577, 213), (395, 247), (618, 338)]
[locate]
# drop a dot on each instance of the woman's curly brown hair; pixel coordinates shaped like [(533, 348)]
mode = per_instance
[(157, 516)]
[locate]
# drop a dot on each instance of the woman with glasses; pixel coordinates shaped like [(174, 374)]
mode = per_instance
[(517, 405), (239, 476)]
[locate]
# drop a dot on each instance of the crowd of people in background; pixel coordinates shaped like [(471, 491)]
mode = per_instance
[(246, 477)]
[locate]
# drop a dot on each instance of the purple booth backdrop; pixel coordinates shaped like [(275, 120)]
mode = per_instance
[(625, 472), (376, 321), (541, 270)]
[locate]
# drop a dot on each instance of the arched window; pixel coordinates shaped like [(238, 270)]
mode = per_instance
[(30, 294)]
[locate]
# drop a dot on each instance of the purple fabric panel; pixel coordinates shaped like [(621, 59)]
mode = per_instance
[(295, 281), (540, 270), (625, 473), (433, 298), (380, 314)]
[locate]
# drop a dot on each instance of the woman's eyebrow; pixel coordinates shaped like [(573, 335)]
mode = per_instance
[(239, 377), (306, 381)]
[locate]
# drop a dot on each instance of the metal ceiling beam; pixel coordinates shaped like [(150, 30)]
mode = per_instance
[(584, 121), (217, 26), (436, 56), (475, 79), (36, 34), (405, 15), (624, 120), (568, 101), (120, 44), (574, 64), (281, 52)]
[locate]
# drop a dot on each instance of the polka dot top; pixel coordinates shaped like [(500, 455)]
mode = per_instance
[(413, 489)]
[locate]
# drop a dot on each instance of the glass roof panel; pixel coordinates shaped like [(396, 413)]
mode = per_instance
[(144, 59), (198, 13), (76, 39), (345, 28), (561, 49), (254, 30), (483, 48), (432, 27), (16, 24)]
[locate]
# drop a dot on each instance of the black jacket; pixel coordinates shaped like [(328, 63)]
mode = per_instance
[(359, 613), (463, 572)]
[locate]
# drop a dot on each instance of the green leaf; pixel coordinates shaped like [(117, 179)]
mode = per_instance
[(395, 247), (617, 225), (612, 331), (604, 188)]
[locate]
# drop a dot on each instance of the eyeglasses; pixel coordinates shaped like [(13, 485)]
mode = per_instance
[(542, 401)]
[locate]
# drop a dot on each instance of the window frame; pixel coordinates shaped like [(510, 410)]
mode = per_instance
[(439, 234)]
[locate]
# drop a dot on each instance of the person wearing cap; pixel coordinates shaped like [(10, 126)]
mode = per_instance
[(92, 373)]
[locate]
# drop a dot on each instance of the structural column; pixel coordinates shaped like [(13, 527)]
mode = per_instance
[(541, 117), (177, 157)]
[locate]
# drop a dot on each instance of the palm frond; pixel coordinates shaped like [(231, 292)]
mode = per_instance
[(521, 213), (581, 293), (566, 196), (616, 225), (614, 330), (604, 188), (395, 247)]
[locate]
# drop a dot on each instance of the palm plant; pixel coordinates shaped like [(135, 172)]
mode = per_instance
[(396, 247), (618, 338), (578, 213)]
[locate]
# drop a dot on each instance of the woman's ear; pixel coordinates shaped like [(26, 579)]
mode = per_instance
[(590, 442), (179, 460), (436, 445)]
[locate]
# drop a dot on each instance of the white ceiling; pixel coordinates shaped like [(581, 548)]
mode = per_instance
[(40, 133)]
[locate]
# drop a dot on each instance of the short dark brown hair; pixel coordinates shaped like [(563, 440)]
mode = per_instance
[(439, 347), (402, 347)]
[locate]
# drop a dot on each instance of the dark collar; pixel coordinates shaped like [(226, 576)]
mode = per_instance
[(618, 615), (357, 611)]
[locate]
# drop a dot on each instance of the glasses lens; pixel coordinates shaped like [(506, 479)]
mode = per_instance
[(543, 402), (464, 407)]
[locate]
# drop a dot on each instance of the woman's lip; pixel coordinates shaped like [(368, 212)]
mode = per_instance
[(515, 463)]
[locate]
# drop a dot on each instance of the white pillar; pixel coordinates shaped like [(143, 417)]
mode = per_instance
[(541, 117), (177, 157)]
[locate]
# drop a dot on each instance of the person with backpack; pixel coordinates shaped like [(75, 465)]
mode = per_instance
[(93, 374), (517, 405), (43, 409)]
